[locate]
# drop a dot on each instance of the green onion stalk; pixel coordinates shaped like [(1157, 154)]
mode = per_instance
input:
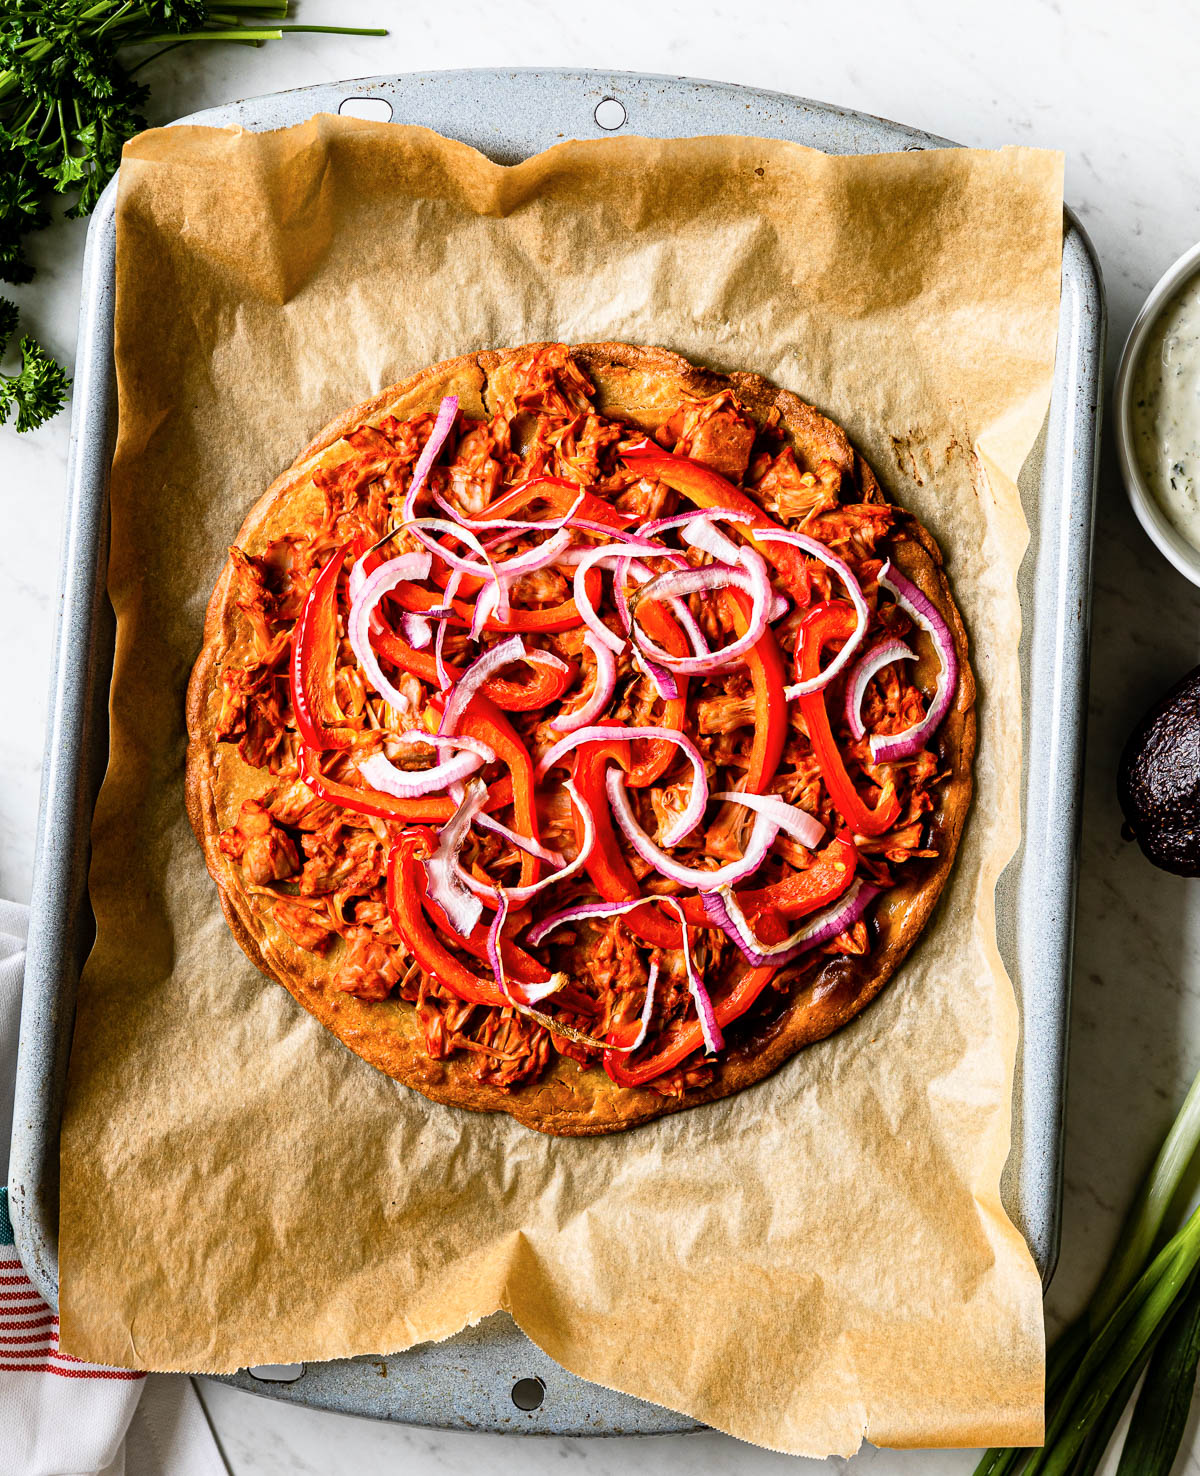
[(1143, 1318)]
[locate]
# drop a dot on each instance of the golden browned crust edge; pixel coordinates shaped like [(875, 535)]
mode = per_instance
[(567, 1100)]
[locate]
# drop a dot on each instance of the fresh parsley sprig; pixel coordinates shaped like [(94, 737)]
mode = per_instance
[(67, 105), (39, 389)]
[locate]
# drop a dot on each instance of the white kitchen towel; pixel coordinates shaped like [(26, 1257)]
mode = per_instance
[(58, 1416)]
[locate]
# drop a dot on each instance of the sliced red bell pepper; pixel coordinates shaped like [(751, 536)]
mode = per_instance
[(709, 489), (653, 757), (804, 892), (518, 964), (431, 809), (546, 684), (835, 620), (765, 666), (406, 899), (685, 1036), (561, 495), (552, 618), (607, 865), (483, 720), (313, 664)]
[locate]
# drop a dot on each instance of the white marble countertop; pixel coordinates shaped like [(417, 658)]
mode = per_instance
[(1105, 82)]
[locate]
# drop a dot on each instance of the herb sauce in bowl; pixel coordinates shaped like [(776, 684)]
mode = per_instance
[(1166, 410)]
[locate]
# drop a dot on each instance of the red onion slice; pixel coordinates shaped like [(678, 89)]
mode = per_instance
[(522, 525), (893, 746), (602, 689), (752, 576), (865, 668), (791, 819), (520, 895), (522, 842), (580, 912), (443, 676), (709, 1027), (724, 912), (417, 629), (664, 683), (382, 774), (693, 811), (588, 560), (442, 426), (648, 1007), (761, 839), (443, 871), (358, 625), (817, 550), (474, 677), (693, 515)]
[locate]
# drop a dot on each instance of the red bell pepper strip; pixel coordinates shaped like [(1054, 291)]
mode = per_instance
[(607, 865), (313, 663), (406, 899), (685, 1036), (835, 620), (518, 964), (561, 496), (797, 895), (709, 489), (552, 618), (545, 685), (652, 758), (483, 720), (431, 809), (765, 666)]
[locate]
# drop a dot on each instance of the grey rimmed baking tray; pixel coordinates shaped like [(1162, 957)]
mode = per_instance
[(468, 1381)]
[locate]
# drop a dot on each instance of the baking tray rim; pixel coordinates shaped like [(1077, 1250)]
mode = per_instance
[(37, 1239)]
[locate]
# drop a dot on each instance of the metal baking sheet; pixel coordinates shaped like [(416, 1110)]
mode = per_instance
[(486, 1377)]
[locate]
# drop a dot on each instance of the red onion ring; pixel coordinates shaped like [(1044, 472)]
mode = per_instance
[(762, 837), (714, 576), (417, 629), (648, 1007), (791, 819), (893, 746), (521, 895), (692, 813), (602, 689), (442, 426), (588, 560), (442, 869), (444, 680), (370, 591), (710, 1029), (522, 842), (817, 550), (482, 525), (864, 669), (474, 677), (722, 909), (380, 773)]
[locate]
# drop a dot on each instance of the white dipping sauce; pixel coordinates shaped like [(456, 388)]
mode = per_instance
[(1166, 410)]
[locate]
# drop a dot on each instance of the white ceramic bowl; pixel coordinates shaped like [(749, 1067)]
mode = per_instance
[(1163, 533)]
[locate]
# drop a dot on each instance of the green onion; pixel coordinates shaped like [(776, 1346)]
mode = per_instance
[(1161, 1413), (1143, 1317)]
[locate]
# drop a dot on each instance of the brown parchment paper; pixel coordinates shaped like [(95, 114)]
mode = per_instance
[(820, 1258)]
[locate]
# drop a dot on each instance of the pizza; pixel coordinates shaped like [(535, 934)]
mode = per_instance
[(579, 733)]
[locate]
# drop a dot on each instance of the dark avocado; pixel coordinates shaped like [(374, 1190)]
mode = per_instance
[(1158, 782)]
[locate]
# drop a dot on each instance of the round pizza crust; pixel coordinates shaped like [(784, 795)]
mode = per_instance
[(643, 386)]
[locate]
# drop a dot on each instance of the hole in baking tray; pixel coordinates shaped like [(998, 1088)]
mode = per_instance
[(277, 1373), (528, 1393), (610, 114), (373, 109)]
